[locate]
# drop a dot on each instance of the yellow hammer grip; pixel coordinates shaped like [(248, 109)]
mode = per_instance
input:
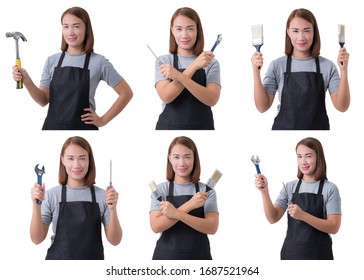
[(19, 84)]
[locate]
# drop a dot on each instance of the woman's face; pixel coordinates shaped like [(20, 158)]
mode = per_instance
[(76, 161), (184, 31), (182, 161), (74, 33), (306, 161), (301, 33)]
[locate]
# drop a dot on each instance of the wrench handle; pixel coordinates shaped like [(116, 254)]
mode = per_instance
[(257, 168), (39, 181), (19, 84)]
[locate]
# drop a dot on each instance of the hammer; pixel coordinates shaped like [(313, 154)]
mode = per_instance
[(16, 35)]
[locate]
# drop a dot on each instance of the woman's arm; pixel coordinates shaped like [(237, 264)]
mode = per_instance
[(38, 230), (39, 95), (330, 225), (113, 229), (169, 89), (341, 98), (125, 95)]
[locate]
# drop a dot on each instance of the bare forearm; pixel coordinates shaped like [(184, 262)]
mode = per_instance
[(38, 230), (271, 211), (39, 95), (113, 230), (207, 225), (330, 226), (261, 99), (342, 97)]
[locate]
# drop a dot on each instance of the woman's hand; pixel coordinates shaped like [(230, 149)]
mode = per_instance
[(257, 61), (295, 211), (167, 209), (92, 118), (343, 59), (19, 73), (37, 192), (204, 59), (169, 72), (261, 182), (112, 197)]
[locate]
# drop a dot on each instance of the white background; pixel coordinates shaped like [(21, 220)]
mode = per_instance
[(122, 29)]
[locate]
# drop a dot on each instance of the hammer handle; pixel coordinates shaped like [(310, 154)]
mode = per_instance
[(19, 84)]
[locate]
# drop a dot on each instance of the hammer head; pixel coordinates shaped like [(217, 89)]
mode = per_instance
[(16, 35)]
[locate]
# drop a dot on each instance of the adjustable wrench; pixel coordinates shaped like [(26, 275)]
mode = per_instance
[(39, 172)]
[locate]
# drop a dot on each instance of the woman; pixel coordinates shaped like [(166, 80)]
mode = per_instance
[(185, 211), (188, 79), (76, 208), (302, 77), (70, 79), (312, 202)]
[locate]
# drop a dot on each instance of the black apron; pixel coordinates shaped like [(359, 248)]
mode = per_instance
[(78, 234), (304, 242), (181, 242), (303, 101), (69, 95), (186, 112)]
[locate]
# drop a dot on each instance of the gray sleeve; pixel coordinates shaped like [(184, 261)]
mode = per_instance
[(46, 75), (333, 78), (213, 73), (333, 204), (211, 202), (271, 79), (109, 73)]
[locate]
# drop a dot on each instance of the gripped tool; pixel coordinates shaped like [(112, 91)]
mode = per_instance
[(17, 35), (153, 188), (215, 177), (110, 182), (256, 160), (257, 37), (39, 172), (341, 35), (217, 42), (156, 57)]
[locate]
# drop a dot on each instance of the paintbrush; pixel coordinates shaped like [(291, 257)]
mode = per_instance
[(153, 188), (215, 177), (341, 35), (257, 36)]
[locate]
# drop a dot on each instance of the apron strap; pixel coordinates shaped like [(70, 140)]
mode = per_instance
[(197, 187), (321, 187), (61, 59), (93, 194), (64, 191), (87, 60), (175, 60), (288, 64), (318, 70), (298, 186)]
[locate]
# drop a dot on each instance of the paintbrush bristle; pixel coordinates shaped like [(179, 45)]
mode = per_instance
[(215, 177), (152, 186), (257, 35), (341, 34)]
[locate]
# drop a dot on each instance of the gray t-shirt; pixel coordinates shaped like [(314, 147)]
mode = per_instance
[(212, 70), (53, 196), (100, 69), (183, 189), (330, 192), (274, 78)]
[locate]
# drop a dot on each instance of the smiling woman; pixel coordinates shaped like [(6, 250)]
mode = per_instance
[(70, 79), (301, 78), (312, 202), (76, 208)]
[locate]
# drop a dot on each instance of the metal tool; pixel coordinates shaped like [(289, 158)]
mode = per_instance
[(215, 177), (39, 172), (110, 182), (156, 57), (217, 42), (256, 160), (17, 35)]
